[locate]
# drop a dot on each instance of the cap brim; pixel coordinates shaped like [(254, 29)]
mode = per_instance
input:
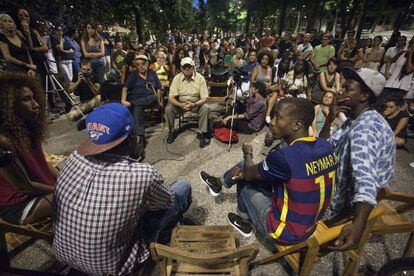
[(89, 148), (351, 73)]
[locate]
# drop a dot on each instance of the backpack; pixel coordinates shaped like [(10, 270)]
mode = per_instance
[(223, 135)]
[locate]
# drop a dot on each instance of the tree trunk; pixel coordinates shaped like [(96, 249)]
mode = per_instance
[(313, 15), (138, 24), (297, 24), (361, 20), (248, 19), (261, 25), (282, 18), (335, 20)]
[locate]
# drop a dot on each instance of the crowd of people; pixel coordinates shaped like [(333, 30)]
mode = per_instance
[(340, 108)]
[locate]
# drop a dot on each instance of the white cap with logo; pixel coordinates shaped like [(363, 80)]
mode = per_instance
[(187, 60), (373, 80)]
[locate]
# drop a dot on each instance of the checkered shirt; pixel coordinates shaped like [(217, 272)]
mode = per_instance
[(98, 204)]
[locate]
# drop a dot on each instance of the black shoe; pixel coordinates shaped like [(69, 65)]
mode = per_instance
[(205, 140), (239, 224), (269, 139), (141, 141), (171, 137), (212, 182)]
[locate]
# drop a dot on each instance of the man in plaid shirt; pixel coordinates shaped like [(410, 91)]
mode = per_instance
[(108, 206)]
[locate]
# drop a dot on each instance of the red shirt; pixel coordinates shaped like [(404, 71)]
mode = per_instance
[(37, 169)]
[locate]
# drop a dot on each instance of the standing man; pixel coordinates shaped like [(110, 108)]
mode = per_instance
[(141, 90), (366, 149), (323, 53), (107, 205), (118, 59), (305, 49), (188, 92)]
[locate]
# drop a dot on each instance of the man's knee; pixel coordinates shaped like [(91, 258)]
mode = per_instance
[(183, 194), (204, 109), (169, 109)]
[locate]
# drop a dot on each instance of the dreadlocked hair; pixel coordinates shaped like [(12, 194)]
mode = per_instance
[(15, 133)]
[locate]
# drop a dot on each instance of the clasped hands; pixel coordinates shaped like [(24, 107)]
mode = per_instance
[(187, 106)]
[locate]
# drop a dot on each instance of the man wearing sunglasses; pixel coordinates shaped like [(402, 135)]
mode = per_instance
[(138, 94), (188, 92)]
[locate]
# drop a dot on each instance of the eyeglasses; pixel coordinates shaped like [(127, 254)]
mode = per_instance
[(187, 67)]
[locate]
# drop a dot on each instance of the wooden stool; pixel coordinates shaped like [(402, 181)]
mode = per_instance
[(203, 250)]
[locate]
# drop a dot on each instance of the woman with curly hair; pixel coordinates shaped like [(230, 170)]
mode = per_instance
[(263, 70), (180, 53), (26, 180)]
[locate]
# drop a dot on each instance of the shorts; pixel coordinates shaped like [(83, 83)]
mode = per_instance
[(17, 213)]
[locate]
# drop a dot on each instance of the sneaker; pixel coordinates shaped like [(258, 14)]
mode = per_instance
[(239, 224), (212, 183), (412, 165)]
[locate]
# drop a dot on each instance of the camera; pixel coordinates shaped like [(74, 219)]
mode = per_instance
[(86, 75), (240, 76), (6, 157)]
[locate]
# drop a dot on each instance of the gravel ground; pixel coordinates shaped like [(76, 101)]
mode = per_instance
[(206, 210)]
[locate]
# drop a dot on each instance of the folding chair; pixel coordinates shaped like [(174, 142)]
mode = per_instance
[(196, 250), (394, 220), (302, 256)]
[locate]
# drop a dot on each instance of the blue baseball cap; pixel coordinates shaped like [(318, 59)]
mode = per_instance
[(107, 126)]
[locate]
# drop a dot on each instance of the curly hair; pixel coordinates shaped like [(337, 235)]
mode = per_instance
[(15, 133), (269, 55)]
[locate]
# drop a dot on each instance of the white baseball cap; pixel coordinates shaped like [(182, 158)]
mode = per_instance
[(187, 60), (372, 80)]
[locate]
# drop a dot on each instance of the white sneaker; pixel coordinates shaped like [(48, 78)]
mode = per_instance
[(411, 165), (268, 119)]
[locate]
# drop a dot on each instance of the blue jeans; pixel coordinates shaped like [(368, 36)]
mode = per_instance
[(158, 224), (254, 198), (98, 70)]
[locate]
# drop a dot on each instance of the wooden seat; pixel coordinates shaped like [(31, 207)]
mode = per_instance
[(199, 250), (384, 219), (302, 256)]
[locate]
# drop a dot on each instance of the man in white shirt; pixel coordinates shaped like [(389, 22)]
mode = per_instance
[(305, 49)]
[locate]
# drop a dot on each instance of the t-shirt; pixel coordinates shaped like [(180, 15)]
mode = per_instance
[(393, 122), (37, 170), (303, 178), (323, 54), (83, 90), (139, 87), (189, 90), (267, 41), (118, 57)]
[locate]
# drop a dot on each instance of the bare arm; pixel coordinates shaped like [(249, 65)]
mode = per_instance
[(410, 65), (401, 125), (43, 47), (124, 97), (322, 82), (173, 101), (254, 74), (314, 125)]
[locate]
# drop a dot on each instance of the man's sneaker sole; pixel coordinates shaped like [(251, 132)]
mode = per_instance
[(240, 231), (213, 193)]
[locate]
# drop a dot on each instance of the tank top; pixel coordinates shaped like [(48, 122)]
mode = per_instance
[(161, 73), (320, 119), (20, 53), (96, 48), (331, 83), (261, 77)]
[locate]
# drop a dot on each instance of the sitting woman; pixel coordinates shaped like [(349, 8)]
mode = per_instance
[(253, 117), (162, 69), (263, 70), (321, 112), (26, 180), (238, 62), (295, 83), (180, 53), (330, 81), (397, 118)]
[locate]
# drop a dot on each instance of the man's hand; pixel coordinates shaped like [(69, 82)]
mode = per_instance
[(81, 77), (225, 120), (349, 237), (247, 148), (186, 106), (31, 73), (32, 67), (126, 103), (338, 107), (237, 174)]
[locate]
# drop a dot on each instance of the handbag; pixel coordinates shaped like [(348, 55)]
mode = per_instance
[(223, 135)]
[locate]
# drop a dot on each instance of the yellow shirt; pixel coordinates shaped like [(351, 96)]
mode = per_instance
[(189, 90)]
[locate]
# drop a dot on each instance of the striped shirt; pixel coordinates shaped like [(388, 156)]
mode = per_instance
[(303, 176)]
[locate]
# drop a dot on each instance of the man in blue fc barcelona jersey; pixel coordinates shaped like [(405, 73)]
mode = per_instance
[(288, 192)]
